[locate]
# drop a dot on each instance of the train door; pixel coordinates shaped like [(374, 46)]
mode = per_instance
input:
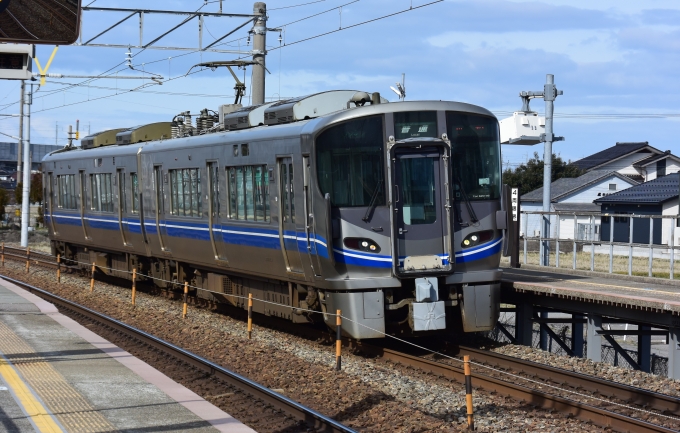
[(83, 203), (420, 218), (160, 206), (309, 219), (287, 229), (49, 193), (122, 208), (214, 213)]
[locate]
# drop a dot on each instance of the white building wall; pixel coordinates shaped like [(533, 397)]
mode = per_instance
[(672, 166), (597, 190), (651, 172), (530, 224), (670, 208), (625, 164)]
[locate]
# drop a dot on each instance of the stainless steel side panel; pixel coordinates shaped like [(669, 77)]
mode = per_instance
[(480, 307)]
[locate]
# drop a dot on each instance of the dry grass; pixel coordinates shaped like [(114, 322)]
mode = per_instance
[(660, 267), (42, 246)]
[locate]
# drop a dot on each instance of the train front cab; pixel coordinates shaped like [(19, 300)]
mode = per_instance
[(439, 232)]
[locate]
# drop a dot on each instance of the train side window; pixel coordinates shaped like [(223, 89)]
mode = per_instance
[(185, 192), (248, 188), (67, 198), (231, 187), (102, 192), (292, 193), (240, 199), (250, 193), (261, 193), (134, 184)]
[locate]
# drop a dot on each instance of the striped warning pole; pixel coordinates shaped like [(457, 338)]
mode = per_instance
[(338, 340), (58, 268), (250, 315), (28, 259), (186, 297), (468, 393), (134, 286), (92, 279)]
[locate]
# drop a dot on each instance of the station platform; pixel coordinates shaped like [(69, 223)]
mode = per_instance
[(599, 301), (57, 376), (637, 293)]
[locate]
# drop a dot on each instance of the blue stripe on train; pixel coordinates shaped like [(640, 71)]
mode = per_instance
[(262, 238)]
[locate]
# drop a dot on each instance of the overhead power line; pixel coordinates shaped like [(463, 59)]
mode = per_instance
[(353, 25), (295, 6)]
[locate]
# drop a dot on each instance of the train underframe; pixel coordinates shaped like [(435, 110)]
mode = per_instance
[(468, 307)]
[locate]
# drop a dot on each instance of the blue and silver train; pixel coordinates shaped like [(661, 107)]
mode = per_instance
[(393, 213)]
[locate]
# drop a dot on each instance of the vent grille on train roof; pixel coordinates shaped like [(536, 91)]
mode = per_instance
[(246, 117)]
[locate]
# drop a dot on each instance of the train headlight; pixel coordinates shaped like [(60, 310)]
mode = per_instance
[(362, 244), (477, 238)]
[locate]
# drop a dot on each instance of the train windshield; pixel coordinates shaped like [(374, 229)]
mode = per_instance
[(349, 159), (475, 161)]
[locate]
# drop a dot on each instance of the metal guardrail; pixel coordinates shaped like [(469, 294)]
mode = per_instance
[(592, 217)]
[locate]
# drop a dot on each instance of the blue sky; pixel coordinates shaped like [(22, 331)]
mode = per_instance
[(616, 61)]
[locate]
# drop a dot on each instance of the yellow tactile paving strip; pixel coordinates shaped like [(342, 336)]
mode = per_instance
[(73, 412), (42, 420)]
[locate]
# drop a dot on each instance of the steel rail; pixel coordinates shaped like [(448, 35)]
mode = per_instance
[(533, 397), (299, 411), (48, 260), (627, 393), (632, 395)]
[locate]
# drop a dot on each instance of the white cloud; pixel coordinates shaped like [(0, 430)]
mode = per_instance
[(581, 46)]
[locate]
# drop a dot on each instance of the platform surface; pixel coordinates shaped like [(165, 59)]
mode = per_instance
[(57, 376), (621, 290)]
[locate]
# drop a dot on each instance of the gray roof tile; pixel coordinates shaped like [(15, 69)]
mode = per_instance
[(611, 153), (655, 191), (566, 185)]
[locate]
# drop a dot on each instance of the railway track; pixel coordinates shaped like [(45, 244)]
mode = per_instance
[(495, 380), (34, 257), (280, 402), (538, 398)]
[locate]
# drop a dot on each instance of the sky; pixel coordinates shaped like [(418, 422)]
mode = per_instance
[(616, 62)]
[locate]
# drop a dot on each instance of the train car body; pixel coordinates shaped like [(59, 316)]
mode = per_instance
[(391, 213)]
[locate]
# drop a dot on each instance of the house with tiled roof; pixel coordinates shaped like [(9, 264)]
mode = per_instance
[(573, 195), (656, 197), (638, 160)]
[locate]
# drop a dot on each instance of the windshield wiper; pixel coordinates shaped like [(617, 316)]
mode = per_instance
[(374, 200), (471, 211)]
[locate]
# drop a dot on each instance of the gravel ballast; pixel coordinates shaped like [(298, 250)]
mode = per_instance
[(368, 395)]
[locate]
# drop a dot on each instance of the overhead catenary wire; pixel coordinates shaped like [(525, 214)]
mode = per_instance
[(118, 93), (353, 25), (295, 6)]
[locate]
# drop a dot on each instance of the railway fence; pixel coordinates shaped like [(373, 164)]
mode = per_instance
[(626, 244)]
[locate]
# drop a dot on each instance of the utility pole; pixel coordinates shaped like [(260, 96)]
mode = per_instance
[(25, 205), (548, 94), (21, 130), (549, 98), (259, 32)]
